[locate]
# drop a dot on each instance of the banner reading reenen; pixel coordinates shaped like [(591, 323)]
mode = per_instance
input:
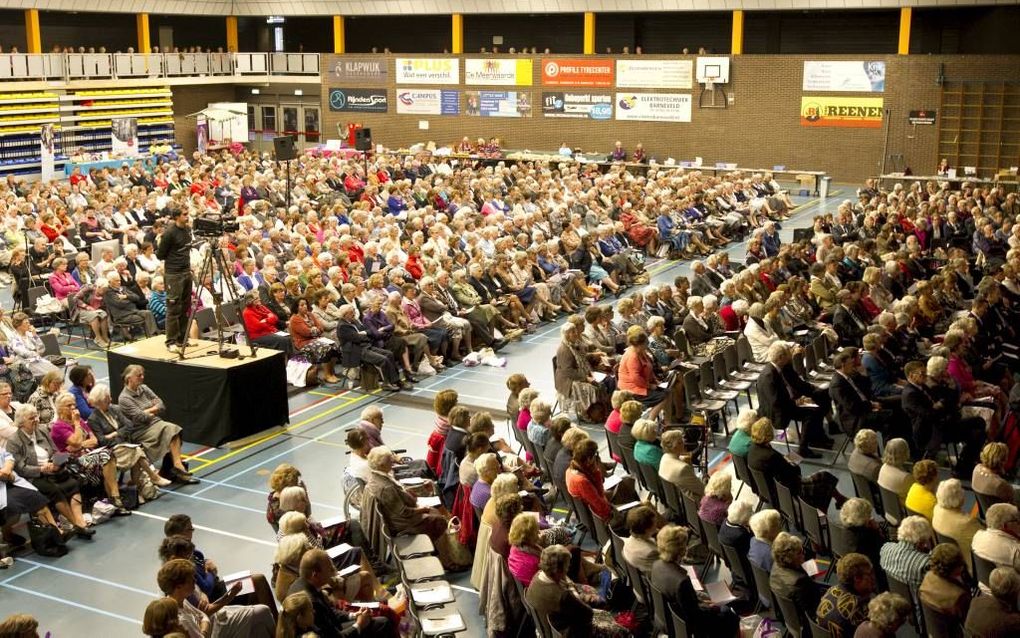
[(844, 112)]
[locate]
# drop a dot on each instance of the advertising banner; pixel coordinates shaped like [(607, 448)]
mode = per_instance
[(428, 71), (428, 102), (843, 112), (654, 74), (493, 72), (498, 103), (577, 72), (654, 107), (125, 136), (347, 70), (863, 76), (926, 117), (577, 105), (46, 146), (358, 100)]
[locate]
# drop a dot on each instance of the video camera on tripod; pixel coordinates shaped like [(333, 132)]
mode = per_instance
[(214, 225)]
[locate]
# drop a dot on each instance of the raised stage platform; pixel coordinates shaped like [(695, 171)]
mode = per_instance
[(214, 399)]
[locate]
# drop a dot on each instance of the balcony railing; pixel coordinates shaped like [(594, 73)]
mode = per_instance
[(104, 66)]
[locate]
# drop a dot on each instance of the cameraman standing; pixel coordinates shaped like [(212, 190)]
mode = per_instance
[(175, 251)]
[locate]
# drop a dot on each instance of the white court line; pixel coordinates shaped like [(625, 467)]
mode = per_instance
[(27, 571), (102, 581), (467, 589), (64, 601), (212, 530)]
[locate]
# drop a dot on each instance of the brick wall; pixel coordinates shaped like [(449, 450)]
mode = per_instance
[(760, 128)]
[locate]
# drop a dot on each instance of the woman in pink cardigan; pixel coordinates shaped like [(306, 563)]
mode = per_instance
[(62, 283)]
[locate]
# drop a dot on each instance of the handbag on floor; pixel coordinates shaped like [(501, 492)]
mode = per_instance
[(454, 556), (46, 539)]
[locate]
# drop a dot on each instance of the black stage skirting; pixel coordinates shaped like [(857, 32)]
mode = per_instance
[(214, 400)]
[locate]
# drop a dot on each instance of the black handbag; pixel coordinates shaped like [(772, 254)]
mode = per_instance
[(46, 539)]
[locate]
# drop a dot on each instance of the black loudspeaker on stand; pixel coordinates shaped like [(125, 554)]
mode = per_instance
[(363, 139), (285, 152)]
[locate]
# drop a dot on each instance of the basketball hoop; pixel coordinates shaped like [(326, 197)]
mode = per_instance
[(709, 84)]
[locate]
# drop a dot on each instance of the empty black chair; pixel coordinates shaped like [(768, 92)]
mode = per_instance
[(691, 511), (793, 617), (650, 479), (892, 504), (766, 487), (679, 624), (985, 501), (743, 473), (817, 631), (982, 568), (816, 530), (740, 567), (660, 611), (838, 539), (940, 625), (671, 492), (711, 531), (788, 506), (764, 587), (869, 491)]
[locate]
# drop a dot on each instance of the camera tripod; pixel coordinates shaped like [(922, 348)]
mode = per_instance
[(213, 261)]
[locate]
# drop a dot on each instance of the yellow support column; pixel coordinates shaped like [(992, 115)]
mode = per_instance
[(232, 34), (142, 23), (589, 33), (906, 13), (32, 36), (339, 35), (737, 47), (457, 33)]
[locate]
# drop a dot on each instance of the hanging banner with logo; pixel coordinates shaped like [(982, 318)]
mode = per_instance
[(654, 74), (498, 103), (577, 105), (654, 107), (428, 102), (493, 72), (202, 134), (358, 100), (347, 70), (577, 72), (843, 112), (125, 136), (428, 71), (926, 117), (863, 76), (46, 146)]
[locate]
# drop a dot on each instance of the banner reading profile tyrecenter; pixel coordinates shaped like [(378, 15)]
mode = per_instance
[(841, 112)]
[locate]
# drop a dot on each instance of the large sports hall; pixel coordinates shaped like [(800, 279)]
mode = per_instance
[(457, 318)]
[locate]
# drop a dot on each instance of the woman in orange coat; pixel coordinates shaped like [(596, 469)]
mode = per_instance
[(637, 375)]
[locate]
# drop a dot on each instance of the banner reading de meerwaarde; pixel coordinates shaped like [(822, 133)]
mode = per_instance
[(497, 72), (842, 112), (654, 107)]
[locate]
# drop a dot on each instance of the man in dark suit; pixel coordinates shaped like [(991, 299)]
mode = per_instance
[(935, 419), (701, 283), (316, 572), (124, 306), (853, 401), (849, 326), (783, 397), (356, 348)]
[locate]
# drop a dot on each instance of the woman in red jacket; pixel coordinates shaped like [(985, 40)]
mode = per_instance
[(261, 324), (306, 333), (444, 402)]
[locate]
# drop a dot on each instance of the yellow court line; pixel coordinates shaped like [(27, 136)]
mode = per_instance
[(272, 436)]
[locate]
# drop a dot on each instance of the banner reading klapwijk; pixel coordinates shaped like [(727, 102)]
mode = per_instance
[(844, 112)]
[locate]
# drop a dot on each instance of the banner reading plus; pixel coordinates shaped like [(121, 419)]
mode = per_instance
[(358, 100), (577, 72)]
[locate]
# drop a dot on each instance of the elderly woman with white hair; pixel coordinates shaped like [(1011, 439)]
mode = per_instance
[(663, 349), (765, 525), (758, 333), (999, 543), (357, 349), (907, 558), (886, 614), (740, 442), (951, 521), (864, 460), (574, 377), (996, 616), (676, 466), (399, 508), (670, 577), (861, 532), (988, 476), (716, 501)]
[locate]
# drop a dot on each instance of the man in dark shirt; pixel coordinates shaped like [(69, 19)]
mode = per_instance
[(316, 572), (175, 251)]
